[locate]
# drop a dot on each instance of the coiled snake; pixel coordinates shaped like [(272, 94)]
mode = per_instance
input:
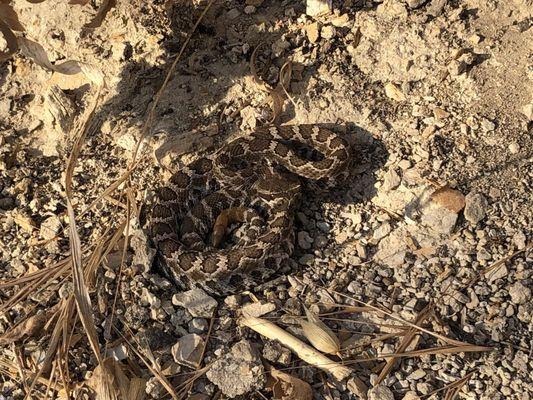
[(255, 180)]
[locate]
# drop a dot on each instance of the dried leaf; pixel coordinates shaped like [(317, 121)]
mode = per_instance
[(10, 17), (11, 39), (321, 337), (37, 53), (28, 328), (449, 198), (288, 387)]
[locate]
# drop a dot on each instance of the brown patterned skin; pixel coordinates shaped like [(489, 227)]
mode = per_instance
[(256, 180)]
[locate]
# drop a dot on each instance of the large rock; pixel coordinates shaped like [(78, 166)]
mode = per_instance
[(197, 302), (238, 372)]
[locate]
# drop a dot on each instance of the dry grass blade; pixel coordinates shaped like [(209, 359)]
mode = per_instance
[(401, 320), (319, 335), (151, 113), (81, 293), (150, 363), (453, 389), (405, 342), (137, 389), (66, 310), (470, 348), (37, 53)]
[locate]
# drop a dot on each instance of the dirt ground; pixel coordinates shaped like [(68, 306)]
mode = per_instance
[(433, 228)]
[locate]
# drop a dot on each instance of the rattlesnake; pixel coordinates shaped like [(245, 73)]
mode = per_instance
[(255, 180)]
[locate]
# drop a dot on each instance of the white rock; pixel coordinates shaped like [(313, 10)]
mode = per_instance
[(197, 302), (318, 7), (257, 309), (50, 227), (438, 218), (514, 148), (328, 32), (382, 231), (238, 372), (519, 293)]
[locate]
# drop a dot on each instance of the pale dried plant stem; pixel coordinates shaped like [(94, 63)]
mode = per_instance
[(301, 349)]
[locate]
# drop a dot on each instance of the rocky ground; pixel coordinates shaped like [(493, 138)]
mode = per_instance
[(433, 227)]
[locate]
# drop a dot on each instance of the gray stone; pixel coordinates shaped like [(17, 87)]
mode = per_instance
[(519, 293), (439, 218), (275, 352), (307, 259), (320, 242), (197, 302), (487, 125), (232, 14), (416, 375), (198, 325), (304, 240), (519, 239), (323, 226), (475, 207), (238, 372), (188, 350), (380, 392), (456, 67)]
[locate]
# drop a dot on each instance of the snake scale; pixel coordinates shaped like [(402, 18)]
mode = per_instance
[(255, 182)]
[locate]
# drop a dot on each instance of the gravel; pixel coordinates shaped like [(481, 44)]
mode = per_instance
[(425, 91)]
